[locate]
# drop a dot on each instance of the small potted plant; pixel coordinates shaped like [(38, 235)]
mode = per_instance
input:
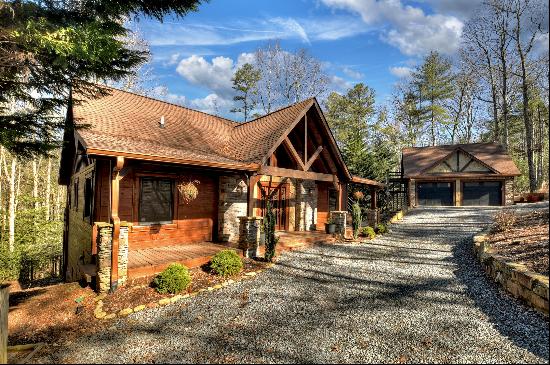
[(330, 226)]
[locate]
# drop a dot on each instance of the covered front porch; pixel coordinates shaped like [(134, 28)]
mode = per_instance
[(150, 261)]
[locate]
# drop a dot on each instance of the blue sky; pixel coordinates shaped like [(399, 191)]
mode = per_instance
[(369, 41)]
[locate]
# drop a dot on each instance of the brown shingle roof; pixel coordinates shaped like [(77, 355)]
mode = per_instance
[(251, 141), (129, 123), (416, 160)]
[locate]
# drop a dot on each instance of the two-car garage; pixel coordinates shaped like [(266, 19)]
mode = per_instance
[(467, 193)]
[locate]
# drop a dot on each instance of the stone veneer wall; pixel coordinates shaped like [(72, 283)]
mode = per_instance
[(249, 235), (104, 255), (232, 205), (79, 245), (307, 212), (373, 217), (339, 219), (412, 193), (513, 277), (509, 191)]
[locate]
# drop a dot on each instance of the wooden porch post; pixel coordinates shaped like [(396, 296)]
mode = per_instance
[(4, 299), (115, 220), (342, 197), (373, 198), (252, 181)]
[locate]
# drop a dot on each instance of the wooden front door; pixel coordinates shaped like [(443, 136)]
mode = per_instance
[(278, 195)]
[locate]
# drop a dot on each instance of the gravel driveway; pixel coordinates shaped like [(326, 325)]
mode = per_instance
[(414, 295)]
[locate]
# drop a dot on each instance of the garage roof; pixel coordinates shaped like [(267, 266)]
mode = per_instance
[(418, 160)]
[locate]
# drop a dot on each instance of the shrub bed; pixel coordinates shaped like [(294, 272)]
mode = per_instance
[(226, 263), (174, 279), (368, 232), (381, 228)]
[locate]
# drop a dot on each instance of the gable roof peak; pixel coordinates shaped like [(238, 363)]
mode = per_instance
[(277, 111)]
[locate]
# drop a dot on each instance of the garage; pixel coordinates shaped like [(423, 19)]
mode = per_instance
[(478, 193), (435, 193), (472, 174)]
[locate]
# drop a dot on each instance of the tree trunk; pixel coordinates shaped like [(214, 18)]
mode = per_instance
[(11, 206), (433, 123), (496, 132), (35, 168), (504, 72), (48, 188)]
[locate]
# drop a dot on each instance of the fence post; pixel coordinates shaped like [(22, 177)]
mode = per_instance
[(4, 300)]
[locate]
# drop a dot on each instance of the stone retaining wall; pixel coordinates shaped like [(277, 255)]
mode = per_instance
[(515, 278)]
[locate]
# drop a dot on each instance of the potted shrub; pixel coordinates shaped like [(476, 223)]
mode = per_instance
[(330, 226)]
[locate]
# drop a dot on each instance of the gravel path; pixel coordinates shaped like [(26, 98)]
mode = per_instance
[(414, 295)]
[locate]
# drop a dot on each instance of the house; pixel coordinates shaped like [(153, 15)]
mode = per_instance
[(151, 182), (474, 174)]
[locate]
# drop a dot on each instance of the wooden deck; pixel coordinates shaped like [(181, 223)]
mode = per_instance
[(150, 261)]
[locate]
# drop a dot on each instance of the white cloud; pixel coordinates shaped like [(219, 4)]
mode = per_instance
[(401, 71), (212, 104), (176, 99), (245, 58), (174, 59), (215, 76), (339, 84), (406, 27), (291, 26), (254, 29), (352, 73)]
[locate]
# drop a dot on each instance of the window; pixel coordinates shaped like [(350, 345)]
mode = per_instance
[(75, 194), (155, 201), (88, 199)]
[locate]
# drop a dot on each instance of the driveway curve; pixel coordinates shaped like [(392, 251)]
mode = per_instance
[(414, 295)]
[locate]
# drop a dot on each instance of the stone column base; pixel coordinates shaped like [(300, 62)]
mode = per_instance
[(373, 217), (103, 261), (339, 219), (249, 235)]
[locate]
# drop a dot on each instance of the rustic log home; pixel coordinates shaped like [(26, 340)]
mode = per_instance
[(150, 183)]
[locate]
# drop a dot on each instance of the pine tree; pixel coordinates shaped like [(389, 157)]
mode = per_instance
[(52, 47), (348, 116), (434, 87), (245, 83)]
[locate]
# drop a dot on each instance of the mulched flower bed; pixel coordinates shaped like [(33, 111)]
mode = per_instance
[(141, 292), (526, 242), (59, 313), (49, 313)]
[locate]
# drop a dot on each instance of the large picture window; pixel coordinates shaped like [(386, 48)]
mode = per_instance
[(155, 201)]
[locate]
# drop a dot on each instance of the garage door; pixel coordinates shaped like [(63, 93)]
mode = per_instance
[(435, 193), (482, 193)]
